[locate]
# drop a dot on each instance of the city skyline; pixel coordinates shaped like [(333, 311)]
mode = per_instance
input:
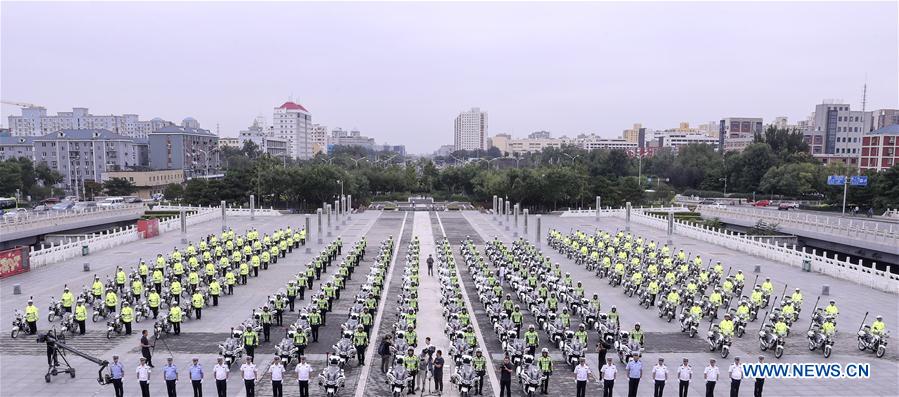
[(619, 66)]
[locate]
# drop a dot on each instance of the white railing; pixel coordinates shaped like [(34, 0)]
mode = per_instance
[(609, 211), (843, 269), (53, 253), (51, 218), (232, 211), (853, 228)]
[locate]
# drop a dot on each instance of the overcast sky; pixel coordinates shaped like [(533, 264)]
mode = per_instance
[(400, 72)]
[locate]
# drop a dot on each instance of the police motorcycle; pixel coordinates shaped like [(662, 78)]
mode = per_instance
[(465, 377), (162, 325), (100, 311), (624, 347), (514, 348), (868, 340), (769, 339), (286, 350), (344, 350), (350, 324), (332, 378), (114, 324), (588, 314), (646, 298), (573, 350), (819, 339), (556, 330), (141, 310), (718, 341), (530, 376), (55, 310), (68, 323), (232, 348), (667, 309), (689, 323), (18, 324)]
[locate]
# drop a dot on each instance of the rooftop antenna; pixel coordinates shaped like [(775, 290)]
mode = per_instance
[(865, 93)]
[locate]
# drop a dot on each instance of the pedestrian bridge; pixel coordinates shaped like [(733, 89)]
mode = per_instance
[(38, 224)]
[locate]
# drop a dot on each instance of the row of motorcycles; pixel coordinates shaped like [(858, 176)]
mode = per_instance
[(402, 374), (458, 329)]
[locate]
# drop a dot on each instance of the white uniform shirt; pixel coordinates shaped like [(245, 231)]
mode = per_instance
[(735, 371), (684, 372), (220, 371), (303, 371), (711, 373), (582, 371), (249, 371), (277, 371), (143, 372), (659, 372), (609, 372)]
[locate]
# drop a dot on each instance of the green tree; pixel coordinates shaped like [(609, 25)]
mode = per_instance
[(119, 187), (173, 191)]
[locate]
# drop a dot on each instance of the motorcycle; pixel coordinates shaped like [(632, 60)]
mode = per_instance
[(286, 350), (18, 324), (231, 350), (768, 339), (114, 325), (818, 339), (55, 310), (718, 341), (162, 325), (100, 311), (68, 323), (868, 341), (690, 325), (666, 310)]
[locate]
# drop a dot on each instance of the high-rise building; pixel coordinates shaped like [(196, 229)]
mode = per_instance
[(339, 137), (263, 139), (319, 139), (35, 121), (471, 130), (835, 132), (293, 123), (193, 150), (880, 148), (632, 134), (501, 142)]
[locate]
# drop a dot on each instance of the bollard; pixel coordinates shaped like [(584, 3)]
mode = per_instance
[(525, 221), (224, 216), (17, 289), (86, 267), (515, 215), (508, 210), (252, 207), (500, 202), (598, 206), (308, 235), (337, 214), (494, 206), (349, 206), (537, 237), (825, 290), (328, 210), (757, 269)]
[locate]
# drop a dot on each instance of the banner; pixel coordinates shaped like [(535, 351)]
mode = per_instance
[(14, 261)]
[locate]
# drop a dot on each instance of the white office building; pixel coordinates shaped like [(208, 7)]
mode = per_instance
[(293, 123), (471, 130), (835, 132)]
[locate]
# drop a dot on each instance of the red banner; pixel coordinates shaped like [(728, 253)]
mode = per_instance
[(148, 227), (13, 261)]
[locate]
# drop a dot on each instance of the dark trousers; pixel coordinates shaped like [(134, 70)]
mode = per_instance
[(266, 331), (127, 328), (682, 388), (277, 391), (177, 327), (430, 270), (199, 312), (545, 384), (734, 387), (581, 388), (32, 327), (438, 380), (117, 387), (80, 327), (198, 387), (250, 386), (659, 386), (759, 385), (304, 388), (145, 352), (144, 388), (632, 384), (215, 300), (221, 387), (250, 350), (385, 363), (155, 311), (315, 332), (607, 386), (291, 300), (505, 386), (360, 354), (170, 388), (709, 389)]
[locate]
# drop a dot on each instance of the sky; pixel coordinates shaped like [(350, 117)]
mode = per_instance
[(401, 72)]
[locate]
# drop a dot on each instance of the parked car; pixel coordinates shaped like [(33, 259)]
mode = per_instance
[(132, 199), (50, 201), (41, 208), (761, 203), (14, 213), (111, 202), (63, 206), (708, 202)]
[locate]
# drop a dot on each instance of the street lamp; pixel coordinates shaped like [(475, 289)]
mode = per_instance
[(725, 185)]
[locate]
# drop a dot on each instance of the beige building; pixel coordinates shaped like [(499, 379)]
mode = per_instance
[(501, 142), (632, 134), (148, 182), (229, 142)]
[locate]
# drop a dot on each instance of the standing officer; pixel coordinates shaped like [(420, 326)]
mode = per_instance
[(175, 318), (220, 371), (479, 362), (31, 314), (684, 376), (198, 302), (117, 371), (300, 340), (659, 376), (291, 293), (196, 377), (170, 374), (266, 318), (143, 378), (153, 300), (67, 300), (531, 339), (315, 320), (609, 372), (127, 316), (360, 340), (215, 289), (759, 381), (249, 373), (736, 376), (80, 315), (250, 341), (545, 363)]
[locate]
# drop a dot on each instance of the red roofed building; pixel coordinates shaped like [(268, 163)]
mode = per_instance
[(293, 123)]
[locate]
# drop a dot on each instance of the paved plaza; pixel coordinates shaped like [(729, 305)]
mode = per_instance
[(23, 362)]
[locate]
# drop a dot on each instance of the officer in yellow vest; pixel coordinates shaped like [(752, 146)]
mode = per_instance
[(545, 363), (360, 340), (153, 299), (215, 289), (67, 300), (175, 318), (250, 341), (198, 302), (80, 315), (127, 316), (31, 314)]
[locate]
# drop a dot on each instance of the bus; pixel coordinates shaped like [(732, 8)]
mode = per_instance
[(7, 203)]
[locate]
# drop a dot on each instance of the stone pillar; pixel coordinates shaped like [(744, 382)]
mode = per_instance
[(508, 209), (494, 206), (525, 222), (670, 226), (627, 216), (328, 209), (224, 216), (252, 207), (308, 235), (319, 234), (537, 236), (183, 226), (349, 206), (598, 206), (500, 210), (515, 216)]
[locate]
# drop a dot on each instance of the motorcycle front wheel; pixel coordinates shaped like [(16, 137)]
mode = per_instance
[(881, 350), (14, 333), (778, 352), (827, 351), (725, 351), (862, 345)]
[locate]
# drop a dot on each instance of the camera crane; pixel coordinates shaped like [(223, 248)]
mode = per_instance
[(57, 349)]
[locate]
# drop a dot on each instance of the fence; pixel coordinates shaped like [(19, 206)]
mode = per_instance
[(231, 211), (609, 211), (54, 253), (852, 228), (35, 221), (843, 269)]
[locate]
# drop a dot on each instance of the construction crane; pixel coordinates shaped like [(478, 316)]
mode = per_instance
[(20, 104)]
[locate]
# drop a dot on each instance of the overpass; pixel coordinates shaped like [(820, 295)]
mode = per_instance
[(874, 239), (22, 231)]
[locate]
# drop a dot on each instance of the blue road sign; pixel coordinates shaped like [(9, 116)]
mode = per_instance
[(858, 180), (836, 180)]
